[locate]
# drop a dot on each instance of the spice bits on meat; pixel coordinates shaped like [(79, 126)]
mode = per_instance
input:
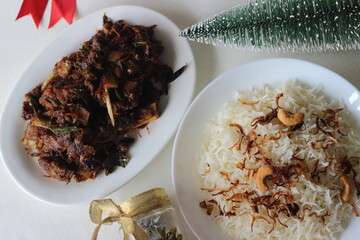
[(80, 116)]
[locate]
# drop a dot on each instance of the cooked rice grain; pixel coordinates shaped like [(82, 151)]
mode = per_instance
[(324, 198)]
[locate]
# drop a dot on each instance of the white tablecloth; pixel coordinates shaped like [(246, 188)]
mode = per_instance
[(23, 217)]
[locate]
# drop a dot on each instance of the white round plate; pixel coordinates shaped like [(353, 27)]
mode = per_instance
[(204, 108), (25, 170)]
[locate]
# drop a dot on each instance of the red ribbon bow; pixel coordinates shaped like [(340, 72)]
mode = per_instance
[(59, 9), (34, 7), (62, 8)]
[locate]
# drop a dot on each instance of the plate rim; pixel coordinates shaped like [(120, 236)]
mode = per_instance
[(80, 21), (216, 81)]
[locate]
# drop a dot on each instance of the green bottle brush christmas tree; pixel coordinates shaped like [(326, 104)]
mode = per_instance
[(283, 25)]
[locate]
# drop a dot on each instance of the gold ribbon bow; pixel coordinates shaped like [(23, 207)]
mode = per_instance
[(115, 213)]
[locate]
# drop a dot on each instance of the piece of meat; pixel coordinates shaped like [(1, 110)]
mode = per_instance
[(56, 168), (70, 115)]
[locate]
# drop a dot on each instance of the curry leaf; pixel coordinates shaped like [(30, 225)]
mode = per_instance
[(64, 129), (176, 74)]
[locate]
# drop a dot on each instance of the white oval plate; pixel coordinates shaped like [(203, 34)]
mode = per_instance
[(25, 170), (204, 108)]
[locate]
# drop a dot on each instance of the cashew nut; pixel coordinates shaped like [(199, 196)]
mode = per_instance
[(348, 186), (288, 118), (261, 175)]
